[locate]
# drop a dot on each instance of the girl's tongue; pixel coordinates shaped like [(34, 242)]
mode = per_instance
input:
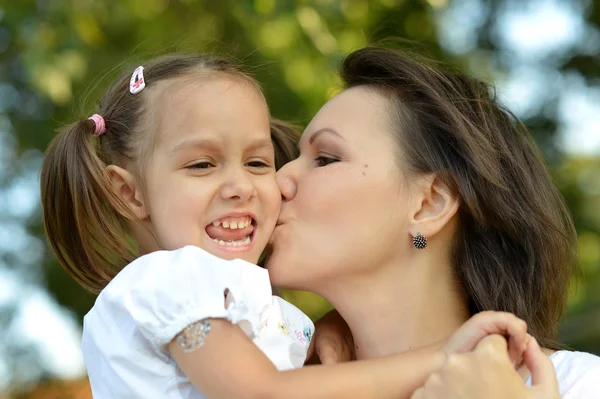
[(228, 234)]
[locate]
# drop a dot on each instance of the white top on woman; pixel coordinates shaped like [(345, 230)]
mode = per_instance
[(578, 374), (127, 331)]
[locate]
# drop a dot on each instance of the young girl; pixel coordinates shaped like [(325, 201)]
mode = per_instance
[(179, 166)]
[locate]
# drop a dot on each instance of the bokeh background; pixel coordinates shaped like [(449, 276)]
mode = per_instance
[(57, 56)]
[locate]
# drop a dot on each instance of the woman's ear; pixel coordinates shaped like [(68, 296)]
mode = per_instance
[(435, 205), (129, 192)]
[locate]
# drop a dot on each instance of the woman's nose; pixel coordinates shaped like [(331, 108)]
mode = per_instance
[(287, 181)]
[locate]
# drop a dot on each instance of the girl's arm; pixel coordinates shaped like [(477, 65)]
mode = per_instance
[(333, 342), (229, 365), (164, 292)]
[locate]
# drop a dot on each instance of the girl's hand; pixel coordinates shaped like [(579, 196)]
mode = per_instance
[(488, 372), (466, 338)]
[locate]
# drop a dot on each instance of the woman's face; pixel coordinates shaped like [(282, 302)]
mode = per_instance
[(343, 209)]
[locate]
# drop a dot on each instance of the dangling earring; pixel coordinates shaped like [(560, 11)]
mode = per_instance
[(419, 241)]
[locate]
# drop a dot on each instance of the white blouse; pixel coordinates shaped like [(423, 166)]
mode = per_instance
[(126, 333), (578, 374)]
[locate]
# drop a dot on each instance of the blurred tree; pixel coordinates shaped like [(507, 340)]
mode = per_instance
[(56, 57)]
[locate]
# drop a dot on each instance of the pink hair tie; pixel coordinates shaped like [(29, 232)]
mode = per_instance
[(100, 126)]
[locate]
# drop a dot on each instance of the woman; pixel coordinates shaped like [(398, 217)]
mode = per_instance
[(418, 201)]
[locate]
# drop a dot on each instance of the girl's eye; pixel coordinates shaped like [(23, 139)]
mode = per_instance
[(322, 160), (200, 165), (258, 164)]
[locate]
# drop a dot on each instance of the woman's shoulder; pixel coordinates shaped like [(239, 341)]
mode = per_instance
[(578, 374)]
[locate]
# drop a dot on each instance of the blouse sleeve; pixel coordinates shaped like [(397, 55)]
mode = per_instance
[(169, 290)]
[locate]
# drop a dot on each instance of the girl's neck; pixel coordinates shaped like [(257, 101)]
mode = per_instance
[(399, 307)]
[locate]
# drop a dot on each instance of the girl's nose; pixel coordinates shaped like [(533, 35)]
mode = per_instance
[(239, 186)]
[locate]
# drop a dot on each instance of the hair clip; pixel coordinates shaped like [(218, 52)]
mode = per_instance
[(137, 82)]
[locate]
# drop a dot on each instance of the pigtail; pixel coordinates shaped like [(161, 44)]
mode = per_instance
[(83, 227)]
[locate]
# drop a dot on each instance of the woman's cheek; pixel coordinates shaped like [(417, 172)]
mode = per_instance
[(273, 198)]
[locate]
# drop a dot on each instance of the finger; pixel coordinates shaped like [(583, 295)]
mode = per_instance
[(311, 354), (486, 323), (327, 350), (347, 353), (516, 349), (518, 340), (495, 345), (418, 394), (512, 327), (333, 339), (494, 341), (541, 368)]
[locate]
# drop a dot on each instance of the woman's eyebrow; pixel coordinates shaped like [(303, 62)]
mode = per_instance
[(324, 130)]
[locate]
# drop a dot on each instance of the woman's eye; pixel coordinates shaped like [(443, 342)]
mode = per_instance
[(322, 160), (200, 165)]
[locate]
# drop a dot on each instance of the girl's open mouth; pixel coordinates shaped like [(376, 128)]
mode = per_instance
[(232, 233)]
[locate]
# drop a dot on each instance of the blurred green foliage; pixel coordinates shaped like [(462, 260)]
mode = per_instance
[(57, 56)]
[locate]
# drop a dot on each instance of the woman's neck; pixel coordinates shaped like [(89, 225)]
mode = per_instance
[(399, 307)]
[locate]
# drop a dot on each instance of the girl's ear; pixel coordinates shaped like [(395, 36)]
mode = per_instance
[(125, 186)]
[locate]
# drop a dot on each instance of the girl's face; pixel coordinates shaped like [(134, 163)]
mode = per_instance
[(344, 205), (210, 180)]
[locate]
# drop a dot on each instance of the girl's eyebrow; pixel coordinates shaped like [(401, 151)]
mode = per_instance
[(210, 144), (260, 144)]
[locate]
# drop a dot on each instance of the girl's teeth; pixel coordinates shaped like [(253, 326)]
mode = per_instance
[(232, 225), (240, 243)]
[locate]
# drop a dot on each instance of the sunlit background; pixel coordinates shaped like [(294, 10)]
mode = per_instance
[(57, 56)]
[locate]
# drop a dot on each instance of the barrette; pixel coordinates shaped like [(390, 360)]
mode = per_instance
[(137, 82)]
